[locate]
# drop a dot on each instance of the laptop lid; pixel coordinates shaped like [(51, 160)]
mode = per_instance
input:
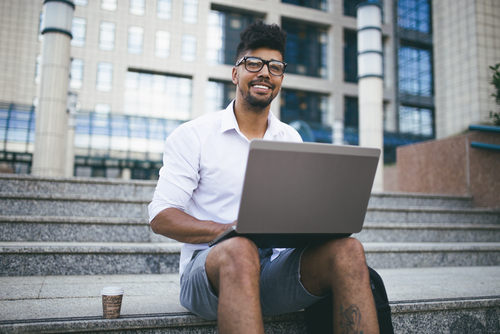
[(306, 188)]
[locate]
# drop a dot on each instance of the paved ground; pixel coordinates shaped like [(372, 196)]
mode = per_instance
[(39, 297)]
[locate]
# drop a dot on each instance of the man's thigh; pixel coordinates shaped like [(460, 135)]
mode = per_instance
[(281, 289), (196, 293)]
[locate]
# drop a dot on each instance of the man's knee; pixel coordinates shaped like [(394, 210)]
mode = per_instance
[(346, 251), (235, 254), (235, 260)]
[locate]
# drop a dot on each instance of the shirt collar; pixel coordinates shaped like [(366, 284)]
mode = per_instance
[(229, 119), (229, 122)]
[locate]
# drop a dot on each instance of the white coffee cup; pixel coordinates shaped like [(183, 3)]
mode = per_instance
[(111, 301)]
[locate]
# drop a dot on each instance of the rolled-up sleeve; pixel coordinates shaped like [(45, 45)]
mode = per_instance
[(179, 175)]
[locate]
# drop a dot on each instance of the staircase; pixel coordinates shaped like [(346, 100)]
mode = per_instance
[(62, 240)]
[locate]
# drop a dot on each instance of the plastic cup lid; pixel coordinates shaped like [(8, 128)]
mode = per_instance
[(112, 290)]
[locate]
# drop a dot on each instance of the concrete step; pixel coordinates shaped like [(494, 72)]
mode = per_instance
[(428, 232), (71, 258), (418, 200), (77, 229), (449, 300), (13, 184), (79, 206), (432, 215), (91, 258), (72, 187), (431, 254), (99, 206), (120, 229)]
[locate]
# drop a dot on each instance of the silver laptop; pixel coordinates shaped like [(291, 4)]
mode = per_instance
[(297, 194)]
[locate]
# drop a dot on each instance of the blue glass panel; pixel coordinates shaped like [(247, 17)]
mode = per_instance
[(119, 126), (305, 49), (100, 124), (83, 124), (156, 129), (414, 15), (415, 71), (316, 4), (138, 127)]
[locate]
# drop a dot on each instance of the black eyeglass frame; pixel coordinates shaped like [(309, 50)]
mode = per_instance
[(264, 62)]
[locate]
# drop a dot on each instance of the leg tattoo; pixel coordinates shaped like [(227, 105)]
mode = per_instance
[(350, 320)]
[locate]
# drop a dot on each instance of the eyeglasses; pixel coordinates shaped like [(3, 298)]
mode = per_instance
[(254, 64)]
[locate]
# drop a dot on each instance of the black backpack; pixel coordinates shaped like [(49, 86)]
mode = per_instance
[(319, 315)]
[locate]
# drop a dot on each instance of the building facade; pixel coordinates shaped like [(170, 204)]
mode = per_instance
[(139, 68)]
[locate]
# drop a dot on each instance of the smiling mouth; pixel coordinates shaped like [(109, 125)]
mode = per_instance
[(261, 87)]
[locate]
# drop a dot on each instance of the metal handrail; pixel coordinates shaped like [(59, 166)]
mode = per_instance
[(485, 146), (485, 128)]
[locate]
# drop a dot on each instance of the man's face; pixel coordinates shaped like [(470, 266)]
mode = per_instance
[(258, 89)]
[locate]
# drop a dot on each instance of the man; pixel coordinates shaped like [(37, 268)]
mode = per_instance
[(198, 195)]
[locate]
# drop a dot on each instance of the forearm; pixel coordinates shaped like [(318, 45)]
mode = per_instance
[(178, 225)]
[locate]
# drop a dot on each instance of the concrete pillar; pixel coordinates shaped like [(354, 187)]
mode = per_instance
[(338, 132), (70, 140), (370, 84), (126, 174), (49, 158)]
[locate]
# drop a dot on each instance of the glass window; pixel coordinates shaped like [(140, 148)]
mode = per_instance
[(316, 4), (104, 77), (351, 113), (307, 113), (162, 44), (164, 9), (190, 12), (306, 49), (107, 36), (188, 52), (223, 33), (414, 15), (415, 71), (350, 56), (135, 39), (80, 2), (109, 4), (76, 80), (78, 31), (218, 95), (350, 6), (137, 7), (417, 121), (38, 68), (157, 95)]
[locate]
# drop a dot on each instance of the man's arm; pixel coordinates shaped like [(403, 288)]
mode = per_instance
[(178, 225)]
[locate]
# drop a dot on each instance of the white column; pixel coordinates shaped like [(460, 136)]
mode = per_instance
[(49, 158), (370, 84)]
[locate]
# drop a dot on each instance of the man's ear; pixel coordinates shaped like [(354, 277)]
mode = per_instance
[(234, 75)]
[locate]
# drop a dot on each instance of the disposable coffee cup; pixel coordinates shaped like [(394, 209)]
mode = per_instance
[(111, 301)]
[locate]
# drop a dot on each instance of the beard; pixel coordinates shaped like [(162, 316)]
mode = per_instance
[(257, 103)]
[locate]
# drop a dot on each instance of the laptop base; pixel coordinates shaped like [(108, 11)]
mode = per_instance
[(275, 240)]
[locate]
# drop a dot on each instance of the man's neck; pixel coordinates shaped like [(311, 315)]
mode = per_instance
[(252, 123)]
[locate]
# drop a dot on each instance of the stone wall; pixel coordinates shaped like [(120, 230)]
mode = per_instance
[(451, 166)]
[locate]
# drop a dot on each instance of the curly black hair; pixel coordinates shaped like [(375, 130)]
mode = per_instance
[(261, 35)]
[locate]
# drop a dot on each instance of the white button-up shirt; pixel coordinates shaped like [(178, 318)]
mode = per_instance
[(204, 164)]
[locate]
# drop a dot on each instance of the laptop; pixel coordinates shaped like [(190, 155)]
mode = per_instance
[(299, 194)]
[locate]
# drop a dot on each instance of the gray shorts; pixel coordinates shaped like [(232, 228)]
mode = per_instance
[(280, 288)]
